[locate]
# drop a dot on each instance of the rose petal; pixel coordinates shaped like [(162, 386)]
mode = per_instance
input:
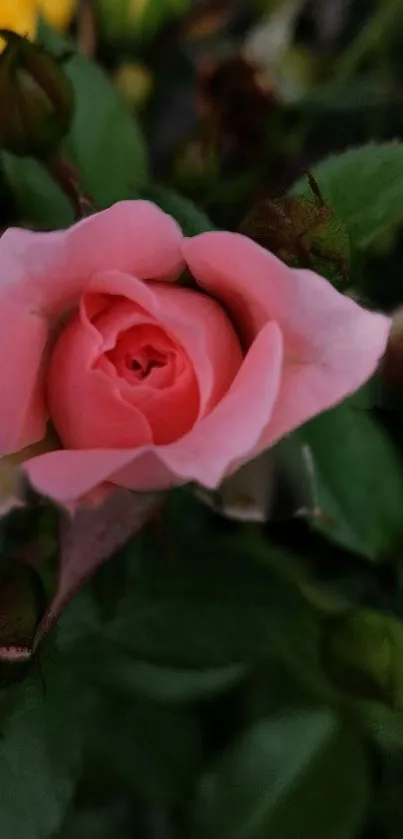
[(131, 236), (23, 337), (168, 398), (247, 279), (85, 405), (226, 436), (216, 445), (196, 321), (344, 344), (331, 344), (43, 273)]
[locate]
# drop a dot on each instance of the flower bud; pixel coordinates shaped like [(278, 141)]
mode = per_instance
[(305, 232), (36, 99)]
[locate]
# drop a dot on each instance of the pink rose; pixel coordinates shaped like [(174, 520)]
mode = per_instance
[(145, 384)]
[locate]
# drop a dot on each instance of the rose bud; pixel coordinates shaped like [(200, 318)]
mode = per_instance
[(36, 99), (303, 231)]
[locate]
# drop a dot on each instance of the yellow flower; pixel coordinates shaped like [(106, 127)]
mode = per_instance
[(57, 13), (22, 15), (19, 15)]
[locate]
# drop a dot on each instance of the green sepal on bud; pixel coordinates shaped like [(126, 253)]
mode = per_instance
[(36, 99), (304, 232)]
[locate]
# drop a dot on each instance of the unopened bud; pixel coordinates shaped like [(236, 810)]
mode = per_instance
[(36, 99), (305, 232)]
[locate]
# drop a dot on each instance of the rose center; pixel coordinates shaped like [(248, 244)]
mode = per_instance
[(145, 361), (145, 355)]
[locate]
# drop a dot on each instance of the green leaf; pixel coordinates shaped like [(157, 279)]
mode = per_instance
[(108, 820), (384, 727), (357, 482), (104, 142), (187, 214), (365, 186), (299, 773), (364, 654), (80, 634), (123, 674), (207, 606), (153, 749), (40, 201), (40, 750), (382, 724)]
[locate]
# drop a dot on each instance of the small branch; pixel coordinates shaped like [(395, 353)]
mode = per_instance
[(86, 28), (64, 173)]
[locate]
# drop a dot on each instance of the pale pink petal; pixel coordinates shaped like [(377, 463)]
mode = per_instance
[(210, 451), (251, 282), (208, 335), (343, 351), (331, 344), (23, 337), (229, 434), (131, 236), (195, 320), (43, 273), (69, 474)]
